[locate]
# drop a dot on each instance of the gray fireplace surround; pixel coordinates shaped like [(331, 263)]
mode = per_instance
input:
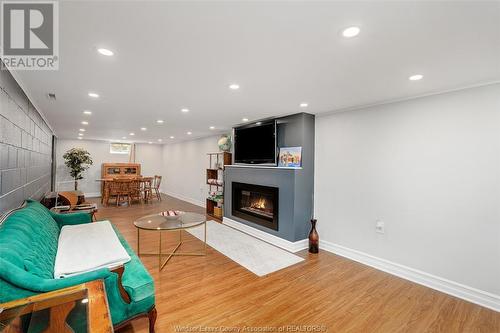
[(296, 186)]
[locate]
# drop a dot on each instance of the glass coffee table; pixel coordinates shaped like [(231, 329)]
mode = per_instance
[(160, 223)]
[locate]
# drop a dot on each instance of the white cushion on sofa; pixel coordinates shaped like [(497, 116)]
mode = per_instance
[(87, 247)]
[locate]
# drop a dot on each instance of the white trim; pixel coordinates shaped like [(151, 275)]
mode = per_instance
[(271, 239), (404, 99), (480, 297), (178, 196), (91, 194), (181, 197)]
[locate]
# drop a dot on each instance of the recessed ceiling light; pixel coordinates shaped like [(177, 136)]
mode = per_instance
[(82, 129), (185, 110), (143, 128), (85, 122), (80, 134), (150, 142), (351, 32), (105, 52), (159, 121), (416, 77), (234, 86), (189, 133), (244, 119), (131, 134), (124, 137), (304, 105), (212, 127), (172, 137), (258, 123), (93, 95), (79, 138), (87, 112), (160, 140)]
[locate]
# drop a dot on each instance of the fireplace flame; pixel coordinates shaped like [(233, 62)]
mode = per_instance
[(259, 204)]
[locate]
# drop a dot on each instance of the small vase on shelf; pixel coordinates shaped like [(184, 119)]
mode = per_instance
[(313, 238)]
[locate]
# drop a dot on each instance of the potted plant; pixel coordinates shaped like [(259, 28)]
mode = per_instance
[(77, 160)]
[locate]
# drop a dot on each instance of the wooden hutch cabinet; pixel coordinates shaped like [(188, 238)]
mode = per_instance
[(120, 170), (110, 171)]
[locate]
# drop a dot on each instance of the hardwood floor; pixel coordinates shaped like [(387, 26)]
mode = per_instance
[(329, 291)]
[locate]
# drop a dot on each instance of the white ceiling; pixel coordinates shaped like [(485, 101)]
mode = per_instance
[(171, 55)]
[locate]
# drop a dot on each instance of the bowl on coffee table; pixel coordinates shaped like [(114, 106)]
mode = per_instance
[(172, 214)]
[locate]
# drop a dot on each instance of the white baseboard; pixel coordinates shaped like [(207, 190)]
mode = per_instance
[(181, 197), (467, 293), (279, 242), (175, 195)]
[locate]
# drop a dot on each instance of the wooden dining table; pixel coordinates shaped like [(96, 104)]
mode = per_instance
[(145, 183)]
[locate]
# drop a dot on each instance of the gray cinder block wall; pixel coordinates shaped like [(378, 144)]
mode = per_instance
[(25, 147)]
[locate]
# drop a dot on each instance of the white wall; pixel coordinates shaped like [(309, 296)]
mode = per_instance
[(150, 157), (184, 167), (430, 169)]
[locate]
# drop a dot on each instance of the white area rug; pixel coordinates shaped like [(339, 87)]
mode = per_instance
[(257, 256)]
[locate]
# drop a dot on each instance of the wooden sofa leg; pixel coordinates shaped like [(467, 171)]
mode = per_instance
[(152, 319), (123, 293)]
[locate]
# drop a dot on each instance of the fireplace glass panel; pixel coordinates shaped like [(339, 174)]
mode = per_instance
[(256, 203)]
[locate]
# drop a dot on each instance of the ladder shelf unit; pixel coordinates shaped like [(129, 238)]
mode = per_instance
[(215, 181)]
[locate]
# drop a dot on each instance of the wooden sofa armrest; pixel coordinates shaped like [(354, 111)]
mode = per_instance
[(123, 293)]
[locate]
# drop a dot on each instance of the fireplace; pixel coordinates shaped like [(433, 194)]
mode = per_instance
[(256, 203)]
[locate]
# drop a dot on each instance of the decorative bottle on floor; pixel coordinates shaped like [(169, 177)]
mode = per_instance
[(313, 238)]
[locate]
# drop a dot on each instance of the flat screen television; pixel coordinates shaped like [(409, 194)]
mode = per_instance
[(255, 143)]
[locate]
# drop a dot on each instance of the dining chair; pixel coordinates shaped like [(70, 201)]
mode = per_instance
[(120, 188), (135, 190), (110, 190), (146, 188), (156, 187)]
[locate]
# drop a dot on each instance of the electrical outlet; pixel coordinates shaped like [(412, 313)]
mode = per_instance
[(379, 227)]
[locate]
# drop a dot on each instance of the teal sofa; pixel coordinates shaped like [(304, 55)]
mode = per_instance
[(28, 247)]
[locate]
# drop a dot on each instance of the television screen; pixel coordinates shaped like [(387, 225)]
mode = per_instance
[(255, 144)]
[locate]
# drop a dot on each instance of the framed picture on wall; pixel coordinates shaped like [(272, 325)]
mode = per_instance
[(290, 157)]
